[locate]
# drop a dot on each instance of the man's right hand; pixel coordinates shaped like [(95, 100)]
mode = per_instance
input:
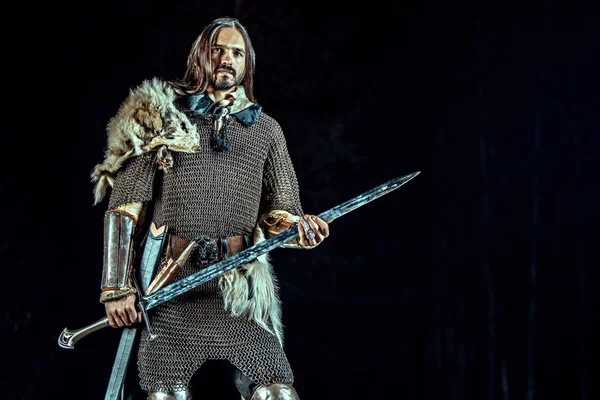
[(122, 312)]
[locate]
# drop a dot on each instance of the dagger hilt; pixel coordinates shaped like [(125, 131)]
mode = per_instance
[(170, 270)]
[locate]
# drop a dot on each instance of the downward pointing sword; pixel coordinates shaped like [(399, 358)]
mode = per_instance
[(190, 282)]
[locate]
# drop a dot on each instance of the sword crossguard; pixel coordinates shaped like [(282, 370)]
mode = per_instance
[(151, 336)]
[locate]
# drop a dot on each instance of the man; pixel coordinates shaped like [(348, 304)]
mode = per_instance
[(199, 157)]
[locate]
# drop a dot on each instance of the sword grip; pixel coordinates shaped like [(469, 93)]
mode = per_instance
[(68, 338)]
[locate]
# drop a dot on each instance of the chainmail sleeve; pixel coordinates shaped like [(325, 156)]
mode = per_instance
[(135, 181), (280, 185)]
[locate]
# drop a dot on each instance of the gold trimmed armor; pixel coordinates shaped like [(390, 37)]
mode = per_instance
[(278, 221), (119, 229)]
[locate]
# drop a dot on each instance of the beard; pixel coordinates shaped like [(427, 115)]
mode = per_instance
[(225, 82)]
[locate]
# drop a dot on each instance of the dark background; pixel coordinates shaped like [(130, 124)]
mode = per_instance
[(475, 280)]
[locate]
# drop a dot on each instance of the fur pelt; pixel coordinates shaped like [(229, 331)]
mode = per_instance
[(258, 279), (147, 120)]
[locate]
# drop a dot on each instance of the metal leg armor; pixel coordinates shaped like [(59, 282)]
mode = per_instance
[(275, 391), (243, 384), (185, 394)]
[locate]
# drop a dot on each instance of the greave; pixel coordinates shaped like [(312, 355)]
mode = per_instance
[(184, 394), (275, 391)]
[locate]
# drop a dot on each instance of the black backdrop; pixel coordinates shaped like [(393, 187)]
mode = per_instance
[(473, 281)]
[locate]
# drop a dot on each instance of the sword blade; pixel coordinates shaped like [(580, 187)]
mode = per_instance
[(184, 285), (366, 197)]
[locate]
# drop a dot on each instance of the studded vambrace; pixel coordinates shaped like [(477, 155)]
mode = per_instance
[(119, 228)]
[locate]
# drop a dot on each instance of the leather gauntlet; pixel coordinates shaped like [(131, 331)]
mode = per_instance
[(119, 228), (274, 224)]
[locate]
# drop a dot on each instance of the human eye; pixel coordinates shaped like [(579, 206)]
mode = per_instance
[(216, 49)]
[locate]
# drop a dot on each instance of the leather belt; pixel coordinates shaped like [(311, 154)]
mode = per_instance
[(210, 250)]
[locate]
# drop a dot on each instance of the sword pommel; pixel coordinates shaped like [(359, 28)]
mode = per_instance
[(67, 338)]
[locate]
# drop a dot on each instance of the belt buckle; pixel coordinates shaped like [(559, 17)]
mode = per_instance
[(208, 250)]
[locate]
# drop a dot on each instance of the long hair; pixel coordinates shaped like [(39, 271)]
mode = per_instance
[(199, 64)]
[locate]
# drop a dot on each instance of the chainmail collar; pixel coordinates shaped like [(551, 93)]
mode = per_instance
[(243, 109)]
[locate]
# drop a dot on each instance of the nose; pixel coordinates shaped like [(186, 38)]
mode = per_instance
[(226, 58)]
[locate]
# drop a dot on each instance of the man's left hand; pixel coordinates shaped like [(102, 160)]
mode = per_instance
[(313, 230)]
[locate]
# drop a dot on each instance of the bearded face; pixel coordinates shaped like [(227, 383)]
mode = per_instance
[(224, 77), (228, 55)]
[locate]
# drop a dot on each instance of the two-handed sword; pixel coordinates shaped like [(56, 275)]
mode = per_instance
[(68, 338)]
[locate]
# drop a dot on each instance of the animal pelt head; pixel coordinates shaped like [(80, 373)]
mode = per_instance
[(146, 121)]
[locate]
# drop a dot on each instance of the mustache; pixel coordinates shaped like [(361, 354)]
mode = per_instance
[(225, 69)]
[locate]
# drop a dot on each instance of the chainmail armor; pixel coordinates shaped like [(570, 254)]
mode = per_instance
[(134, 182), (214, 194), (196, 327)]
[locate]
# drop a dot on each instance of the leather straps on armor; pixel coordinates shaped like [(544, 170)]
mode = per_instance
[(119, 228), (278, 221), (274, 225), (210, 250)]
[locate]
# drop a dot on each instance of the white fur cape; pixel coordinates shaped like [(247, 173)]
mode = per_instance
[(146, 121)]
